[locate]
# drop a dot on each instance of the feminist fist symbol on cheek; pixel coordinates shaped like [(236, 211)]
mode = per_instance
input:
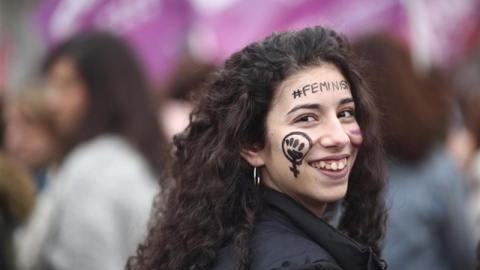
[(295, 145)]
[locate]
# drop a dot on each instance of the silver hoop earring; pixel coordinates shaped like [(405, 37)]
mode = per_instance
[(256, 177)]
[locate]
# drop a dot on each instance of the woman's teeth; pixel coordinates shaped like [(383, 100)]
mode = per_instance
[(330, 165)]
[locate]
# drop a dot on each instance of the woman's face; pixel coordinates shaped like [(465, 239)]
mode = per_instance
[(67, 96), (312, 138), (27, 141)]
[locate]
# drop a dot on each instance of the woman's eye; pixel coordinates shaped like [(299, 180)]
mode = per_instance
[(306, 118), (346, 113)]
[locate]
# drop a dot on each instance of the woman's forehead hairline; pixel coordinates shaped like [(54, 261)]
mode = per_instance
[(293, 78)]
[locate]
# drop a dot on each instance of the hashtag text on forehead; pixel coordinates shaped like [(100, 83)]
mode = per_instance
[(316, 87)]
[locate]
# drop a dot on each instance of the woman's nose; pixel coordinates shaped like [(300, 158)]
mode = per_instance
[(334, 135)]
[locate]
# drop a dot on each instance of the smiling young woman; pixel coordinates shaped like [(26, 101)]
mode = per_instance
[(326, 119), (292, 111)]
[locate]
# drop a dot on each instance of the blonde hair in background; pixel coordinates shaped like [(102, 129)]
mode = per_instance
[(31, 103)]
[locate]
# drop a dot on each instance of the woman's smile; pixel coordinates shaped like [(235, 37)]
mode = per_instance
[(335, 167)]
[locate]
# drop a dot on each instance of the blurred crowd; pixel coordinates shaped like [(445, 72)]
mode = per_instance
[(86, 136)]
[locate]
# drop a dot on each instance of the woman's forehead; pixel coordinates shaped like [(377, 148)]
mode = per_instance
[(311, 82)]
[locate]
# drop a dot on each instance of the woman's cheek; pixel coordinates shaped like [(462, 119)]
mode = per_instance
[(356, 137), (295, 147)]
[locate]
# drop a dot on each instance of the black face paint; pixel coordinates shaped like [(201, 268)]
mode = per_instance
[(320, 87), (295, 146)]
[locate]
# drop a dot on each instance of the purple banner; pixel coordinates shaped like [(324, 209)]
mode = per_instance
[(156, 29), (249, 20), (430, 28)]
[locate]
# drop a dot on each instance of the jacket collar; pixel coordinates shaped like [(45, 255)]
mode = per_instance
[(349, 254)]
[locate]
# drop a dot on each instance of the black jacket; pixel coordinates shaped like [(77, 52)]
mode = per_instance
[(288, 236)]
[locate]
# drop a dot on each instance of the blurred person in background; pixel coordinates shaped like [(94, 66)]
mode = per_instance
[(181, 90), (95, 210), (17, 198), (428, 226), (467, 83), (30, 138), (478, 255), (17, 194)]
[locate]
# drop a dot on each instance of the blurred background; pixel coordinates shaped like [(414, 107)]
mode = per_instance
[(438, 33), (424, 65)]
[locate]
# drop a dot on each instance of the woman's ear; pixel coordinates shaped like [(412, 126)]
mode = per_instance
[(253, 156)]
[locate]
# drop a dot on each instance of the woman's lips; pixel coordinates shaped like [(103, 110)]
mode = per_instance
[(334, 168), (332, 165)]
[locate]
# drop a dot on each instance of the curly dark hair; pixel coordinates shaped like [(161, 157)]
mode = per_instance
[(210, 199)]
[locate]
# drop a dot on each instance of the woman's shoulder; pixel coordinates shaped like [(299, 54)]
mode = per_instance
[(320, 265), (106, 163), (102, 154), (278, 244), (107, 146)]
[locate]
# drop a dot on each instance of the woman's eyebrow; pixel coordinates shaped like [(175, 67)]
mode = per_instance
[(346, 100), (314, 106)]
